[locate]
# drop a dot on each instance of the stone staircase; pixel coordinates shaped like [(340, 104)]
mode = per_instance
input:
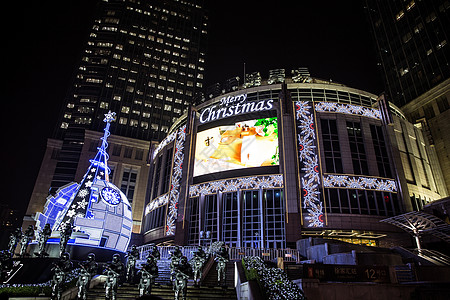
[(165, 292), (210, 279), (163, 287)]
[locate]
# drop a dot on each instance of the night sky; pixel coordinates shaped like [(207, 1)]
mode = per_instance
[(43, 43)]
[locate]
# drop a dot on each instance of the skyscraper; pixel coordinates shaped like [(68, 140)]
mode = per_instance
[(143, 60), (412, 41)]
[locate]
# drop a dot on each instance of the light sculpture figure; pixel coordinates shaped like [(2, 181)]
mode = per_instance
[(99, 211)]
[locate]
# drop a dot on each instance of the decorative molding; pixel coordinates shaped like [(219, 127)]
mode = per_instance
[(359, 182), (232, 185), (348, 109), (177, 171), (309, 161)]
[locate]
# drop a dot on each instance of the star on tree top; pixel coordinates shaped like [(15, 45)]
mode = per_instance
[(110, 117)]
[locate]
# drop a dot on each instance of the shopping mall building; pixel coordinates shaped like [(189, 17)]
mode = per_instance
[(266, 165)]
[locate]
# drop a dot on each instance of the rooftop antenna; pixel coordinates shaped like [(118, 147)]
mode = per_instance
[(244, 74)]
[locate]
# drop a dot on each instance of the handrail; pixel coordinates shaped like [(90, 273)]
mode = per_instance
[(235, 253)]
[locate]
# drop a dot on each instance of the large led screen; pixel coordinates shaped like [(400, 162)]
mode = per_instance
[(245, 144)]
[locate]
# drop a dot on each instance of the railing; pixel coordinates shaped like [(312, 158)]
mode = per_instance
[(236, 253)]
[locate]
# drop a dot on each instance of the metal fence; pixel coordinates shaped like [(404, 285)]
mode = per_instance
[(236, 253)]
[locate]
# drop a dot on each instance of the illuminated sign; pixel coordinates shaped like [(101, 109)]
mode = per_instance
[(244, 144), (233, 106)]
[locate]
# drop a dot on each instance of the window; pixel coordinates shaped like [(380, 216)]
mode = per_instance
[(128, 183), (139, 155), (194, 222), (230, 219), (167, 171), (116, 150), (127, 152), (251, 220), (156, 176), (384, 168), (93, 146), (211, 215), (358, 152), (274, 219), (156, 218), (333, 158), (442, 104)]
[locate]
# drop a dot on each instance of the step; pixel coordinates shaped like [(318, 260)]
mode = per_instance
[(166, 292)]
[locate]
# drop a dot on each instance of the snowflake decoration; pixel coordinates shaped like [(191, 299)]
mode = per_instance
[(348, 109), (110, 196), (83, 193), (82, 204), (71, 213), (277, 180), (88, 183), (264, 182), (231, 186), (306, 147), (360, 182), (354, 183), (310, 177), (247, 182)]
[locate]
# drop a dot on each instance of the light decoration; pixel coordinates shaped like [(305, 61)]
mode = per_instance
[(232, 185), (177, 171), (106, 223), (309, 171), (157, 202), (359, 182), (164, 143), (348, 109), (110, 196)]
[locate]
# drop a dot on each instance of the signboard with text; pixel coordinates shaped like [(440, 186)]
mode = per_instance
[(347, 273)]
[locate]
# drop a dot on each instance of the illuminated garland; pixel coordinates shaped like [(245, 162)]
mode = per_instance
[(359, 182), (177, 171), (232, 185), (164, 143), (348, 109), (309, 174), (160, 201)]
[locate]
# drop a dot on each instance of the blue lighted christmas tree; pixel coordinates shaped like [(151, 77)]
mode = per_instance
[(99, 212)]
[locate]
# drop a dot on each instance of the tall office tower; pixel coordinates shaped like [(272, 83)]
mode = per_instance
[(143, 60), (412, 39), (413, 44)]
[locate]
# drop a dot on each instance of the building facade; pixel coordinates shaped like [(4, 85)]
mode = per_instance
[(285, 159)]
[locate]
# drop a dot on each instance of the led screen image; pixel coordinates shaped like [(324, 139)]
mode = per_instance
[(245, 144)]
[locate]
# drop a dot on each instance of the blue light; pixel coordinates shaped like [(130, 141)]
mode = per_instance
[(110, 196), (103, 224)]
